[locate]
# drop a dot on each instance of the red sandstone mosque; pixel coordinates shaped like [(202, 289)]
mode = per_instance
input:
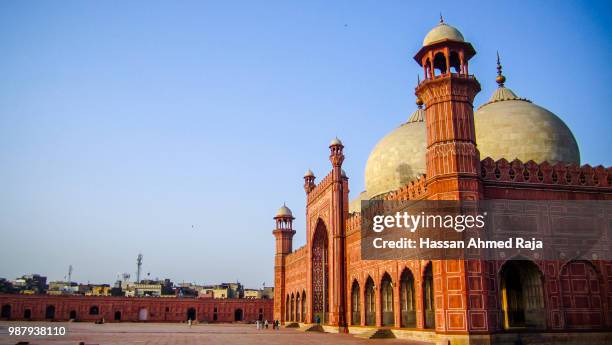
[(509, 148)]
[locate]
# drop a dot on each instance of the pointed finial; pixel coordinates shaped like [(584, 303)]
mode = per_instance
[(418, 79), (500, 77), (441, 18)]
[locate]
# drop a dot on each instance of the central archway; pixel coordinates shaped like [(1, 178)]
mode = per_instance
[(320, 274), (522, 295)]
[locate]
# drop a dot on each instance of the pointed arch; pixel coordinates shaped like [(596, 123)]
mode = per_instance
[(429, 307), (522, 295), (370, 303), (287, 308), (386, 300), (320, 272), (582, 295), (292, 308), (407, 301), (298, 307), (303, 306), (355, 303)]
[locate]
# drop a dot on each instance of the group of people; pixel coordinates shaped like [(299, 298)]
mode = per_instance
[(265, 324)]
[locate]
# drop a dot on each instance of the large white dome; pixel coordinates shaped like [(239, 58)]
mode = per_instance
[(511, 127), (398, 158)]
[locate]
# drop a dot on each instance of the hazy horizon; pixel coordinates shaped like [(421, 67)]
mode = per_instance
[(177, 130)]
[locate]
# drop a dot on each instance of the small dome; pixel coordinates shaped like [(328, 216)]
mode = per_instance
[(308, 173), (284, 211), (335, 142), (441, 32), (398, 158), (355, 204), (511, 127)]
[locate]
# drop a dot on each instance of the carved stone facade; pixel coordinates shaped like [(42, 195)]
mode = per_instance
[(466, 300)]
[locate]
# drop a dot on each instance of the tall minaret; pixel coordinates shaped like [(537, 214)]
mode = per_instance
[(338, 240), (284, 241), (452, 158)]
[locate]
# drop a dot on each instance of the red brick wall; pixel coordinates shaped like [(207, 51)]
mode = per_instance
[(158, 309)]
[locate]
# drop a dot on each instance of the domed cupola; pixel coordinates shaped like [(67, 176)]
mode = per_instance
[(442, 32), (510, 127), (399, 157)]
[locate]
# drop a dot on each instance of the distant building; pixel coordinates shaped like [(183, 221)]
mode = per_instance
[(31, 284), (141, 290), (252, 293), (99, 290)]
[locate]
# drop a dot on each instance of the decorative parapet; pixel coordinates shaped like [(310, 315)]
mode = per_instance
[(353, 223), (319, 188), (415, 189), (296, 255), (561, 174)]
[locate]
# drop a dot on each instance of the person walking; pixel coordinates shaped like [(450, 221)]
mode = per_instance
[(266, 323)]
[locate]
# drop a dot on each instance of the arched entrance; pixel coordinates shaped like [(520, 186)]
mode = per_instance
[(428, 297), (303, 306), (73, 315), (581, 295), (407, 305), (292, 310), (320, 274), (370, 303), (238, 315), (117, 316), (94, 310), (386, 301), (355, 304), (287, 309), (27, 314), (522, 295), (297, 308), (143, 314), (6, 311), (191, 314), (50, 312)]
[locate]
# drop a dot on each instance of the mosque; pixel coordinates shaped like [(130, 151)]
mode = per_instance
[(508, 148)]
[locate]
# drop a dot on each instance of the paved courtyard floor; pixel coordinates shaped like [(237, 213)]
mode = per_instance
[(180, 334)]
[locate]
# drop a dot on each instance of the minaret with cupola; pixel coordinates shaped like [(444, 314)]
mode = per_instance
[(448, 90), (338, 237), (283, 233)]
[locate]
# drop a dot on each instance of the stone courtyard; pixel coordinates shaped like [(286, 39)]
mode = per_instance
[(180, 334)]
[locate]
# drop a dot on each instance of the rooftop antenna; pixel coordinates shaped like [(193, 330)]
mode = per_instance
[(139, 264), (69, 274)]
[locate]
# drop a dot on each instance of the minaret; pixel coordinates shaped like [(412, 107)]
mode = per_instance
[(283, 233), (339, 214), (452, 158), (309, 181)]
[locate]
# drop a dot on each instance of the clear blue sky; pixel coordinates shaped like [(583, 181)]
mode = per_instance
[(124, 124)]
